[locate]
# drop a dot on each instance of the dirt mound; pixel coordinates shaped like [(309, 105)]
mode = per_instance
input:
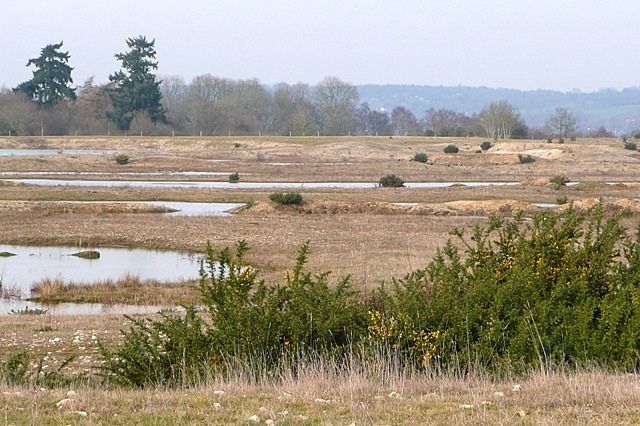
[(490, 206), (453, 208), (616, 204), (548, 154)]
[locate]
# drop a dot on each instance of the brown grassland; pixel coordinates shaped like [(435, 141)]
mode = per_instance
[(361, 233)]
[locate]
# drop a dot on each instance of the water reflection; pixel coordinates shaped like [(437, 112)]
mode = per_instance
[(31, 264), (21, 152), (244, 185)]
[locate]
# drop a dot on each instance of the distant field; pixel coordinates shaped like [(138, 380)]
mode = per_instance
[(356, 232)]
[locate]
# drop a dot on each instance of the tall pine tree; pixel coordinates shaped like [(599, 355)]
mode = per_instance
[(134, 88), (51, 79)]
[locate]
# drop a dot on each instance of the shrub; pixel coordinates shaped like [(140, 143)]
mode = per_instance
[(557, 289), (486, 145), (391, 181), (234, 178), (526, 158), (19, 370), (451, 149), (549, 140), (560, 288), (560, 140), (573, 138), (632, 146), (636, 136), (562, 199), (420, 157), (286, 198), (122, 159), (247, 322), (559, 181)]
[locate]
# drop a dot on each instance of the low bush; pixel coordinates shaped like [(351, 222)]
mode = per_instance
[(451, 149), (556, 289), (632, 146), (560, 289), (244, 320), (234, 178), (19, 370), (562, 199), (286, 198), (420, 157), (486, 145), (122, 159), (391, 181), (559, 181), (526, 158)]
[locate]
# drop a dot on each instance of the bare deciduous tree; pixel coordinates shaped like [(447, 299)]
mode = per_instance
[(336, 103), (499, 119), (18, 114), (562, 122), (404, 122)]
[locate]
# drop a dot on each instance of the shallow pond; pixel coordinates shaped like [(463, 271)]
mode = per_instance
[(20, 152), (168, 173), (244, 185), (32, 264), (11, 306), (181, 208)]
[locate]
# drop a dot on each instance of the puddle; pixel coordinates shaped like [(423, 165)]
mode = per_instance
[(7, 306), (244, 185), (197, 209), (53, 151), (546, 205), (32, 264), (168, 173), (182, 208)]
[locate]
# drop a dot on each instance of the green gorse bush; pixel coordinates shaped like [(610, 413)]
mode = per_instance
[(486, 145), (122, 159), (559, 289), (526, 158), (287, 198), (391, 181), (420, 157)]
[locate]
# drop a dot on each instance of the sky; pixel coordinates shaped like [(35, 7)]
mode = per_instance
[(522, 44)]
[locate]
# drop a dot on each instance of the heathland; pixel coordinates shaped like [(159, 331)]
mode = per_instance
[(372, 234)]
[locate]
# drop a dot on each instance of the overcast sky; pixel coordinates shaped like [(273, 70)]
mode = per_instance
[(524, 44)]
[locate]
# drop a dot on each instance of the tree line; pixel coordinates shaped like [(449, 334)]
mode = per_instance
[(136, 101)]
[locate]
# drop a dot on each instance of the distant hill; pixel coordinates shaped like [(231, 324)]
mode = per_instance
[(617, 110)]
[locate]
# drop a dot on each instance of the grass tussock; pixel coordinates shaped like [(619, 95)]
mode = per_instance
[(127, 290)]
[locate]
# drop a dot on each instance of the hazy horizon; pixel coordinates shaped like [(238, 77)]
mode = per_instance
[(525, 45)]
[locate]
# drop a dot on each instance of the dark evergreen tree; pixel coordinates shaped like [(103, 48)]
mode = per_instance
[(134, 88), (51, 78)]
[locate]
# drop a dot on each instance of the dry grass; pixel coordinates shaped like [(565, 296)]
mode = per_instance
[(351, 232), (340, 158), (318, 394), (320, 397), (129, 290)]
